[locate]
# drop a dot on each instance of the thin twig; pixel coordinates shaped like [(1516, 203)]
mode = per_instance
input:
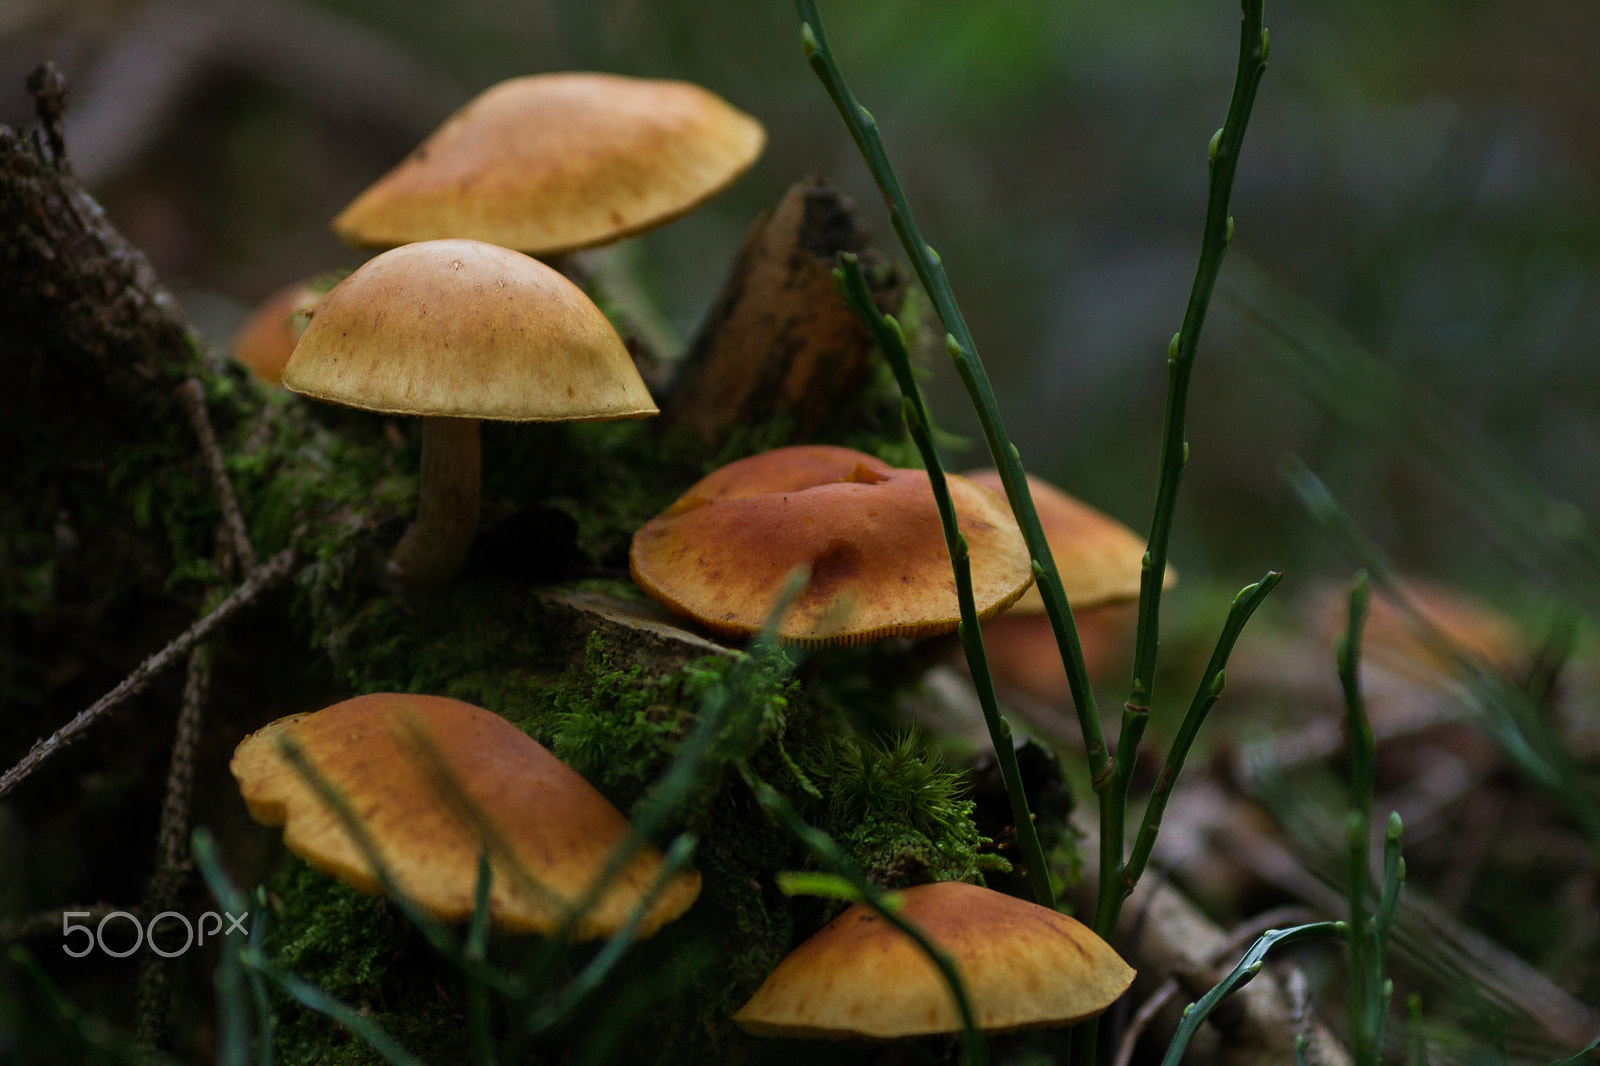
[(1142, 1019), (193, 395), (154, 994), (47, 922), (260, 579)]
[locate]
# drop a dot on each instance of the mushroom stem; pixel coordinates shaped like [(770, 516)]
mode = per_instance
[(435, 548)]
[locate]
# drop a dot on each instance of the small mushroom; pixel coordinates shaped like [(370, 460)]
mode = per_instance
[(1024, 966), (1100, 560), (555, 827), (551, 163), (869, 535), (267, 338), (457, 331)]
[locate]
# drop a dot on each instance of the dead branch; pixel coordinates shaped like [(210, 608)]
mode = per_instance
[(193, 395), (259, 580)]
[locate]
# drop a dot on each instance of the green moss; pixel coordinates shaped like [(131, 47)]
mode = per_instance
[(901, 812), (360, 950)]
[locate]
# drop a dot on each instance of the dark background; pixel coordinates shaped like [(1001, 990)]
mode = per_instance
[(1422, 176)]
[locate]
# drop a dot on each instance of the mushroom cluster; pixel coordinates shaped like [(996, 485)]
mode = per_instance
[(454, 327), (456, 323)]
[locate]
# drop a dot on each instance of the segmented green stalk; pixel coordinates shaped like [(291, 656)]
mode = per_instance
[(1110, 776), (886, 331), (1205, 697), (964, 353), (1367, 992), (1223, 154), (1197, 1012)]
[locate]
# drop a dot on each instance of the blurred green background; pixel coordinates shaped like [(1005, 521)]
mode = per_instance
[(1414, 264)]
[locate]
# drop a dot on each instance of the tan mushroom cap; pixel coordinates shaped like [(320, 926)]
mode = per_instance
[(551, 163), (869, 533), (1024, 965), (557, 827), (469, 330), (1100, 560)]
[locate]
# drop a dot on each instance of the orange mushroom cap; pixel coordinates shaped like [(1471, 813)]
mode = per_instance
[(1100, 560), (557, 829), (267, 338), (1391, 638), (869, 534), (552, 163), (1024, 965)]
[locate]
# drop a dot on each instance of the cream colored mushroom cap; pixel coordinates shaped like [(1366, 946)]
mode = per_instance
[(551, 163), (553, 823), (1100, 560), (1024, 965), (469, 330)]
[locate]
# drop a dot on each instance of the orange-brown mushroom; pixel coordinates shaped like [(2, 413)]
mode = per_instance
[(1393, 639), (1100, 560), (869, 535), (551, 163), (267, 338), (1024, 965), (555, 828)]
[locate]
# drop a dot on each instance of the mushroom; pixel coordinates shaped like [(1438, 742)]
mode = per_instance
[(1394, 639), (1024, 966), (551, 163), (868, 533), (557, 831), (1101, 562), (267, 338), (456, 331)]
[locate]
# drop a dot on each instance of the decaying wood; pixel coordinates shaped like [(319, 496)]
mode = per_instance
[(642, 633), (90, 331), (780, 342), (1174, 938)]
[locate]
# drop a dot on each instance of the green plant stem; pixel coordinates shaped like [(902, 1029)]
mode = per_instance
[(599, 967), (476, 948), (1205, 697), (975, 1051), (1216, 234), (258, 987), (1197, 1012), (891, 340), (1367, 992), (964, 353)]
